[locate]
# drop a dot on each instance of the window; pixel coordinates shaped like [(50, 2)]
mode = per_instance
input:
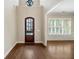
[(59, 26)]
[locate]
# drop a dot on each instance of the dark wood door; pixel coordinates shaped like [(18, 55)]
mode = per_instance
[(29, 29)]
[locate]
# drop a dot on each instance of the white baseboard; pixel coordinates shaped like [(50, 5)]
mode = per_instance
[(41, 42), (60, 40), (45, 44), (34, 42), (20, 42), (9, 50), (38, 42)]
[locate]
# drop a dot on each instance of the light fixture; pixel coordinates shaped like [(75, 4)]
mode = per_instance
[(29, 2)]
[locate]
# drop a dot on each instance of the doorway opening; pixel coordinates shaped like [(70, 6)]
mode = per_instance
[(29, 29)]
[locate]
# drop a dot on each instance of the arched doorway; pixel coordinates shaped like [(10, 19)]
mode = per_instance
[(29, 29)]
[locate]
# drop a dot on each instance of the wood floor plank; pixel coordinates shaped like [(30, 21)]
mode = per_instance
[(54, 50)]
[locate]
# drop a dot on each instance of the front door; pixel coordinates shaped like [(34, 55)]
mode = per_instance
[(29, 29)]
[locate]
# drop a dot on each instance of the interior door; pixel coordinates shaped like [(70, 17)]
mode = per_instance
[(29, 29)]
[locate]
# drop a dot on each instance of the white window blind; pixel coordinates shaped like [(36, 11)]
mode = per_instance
[(59, 26)]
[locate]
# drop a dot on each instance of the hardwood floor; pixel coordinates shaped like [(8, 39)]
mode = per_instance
[(54, 50)]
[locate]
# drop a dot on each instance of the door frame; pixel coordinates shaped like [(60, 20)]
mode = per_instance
[(33, 28)]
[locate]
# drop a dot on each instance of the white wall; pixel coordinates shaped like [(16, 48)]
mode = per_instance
[(35, 11), (14, 23), (62, 15), (9, 25), (23, 12)]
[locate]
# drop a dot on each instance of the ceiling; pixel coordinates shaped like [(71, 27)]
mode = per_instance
[(58, 5)]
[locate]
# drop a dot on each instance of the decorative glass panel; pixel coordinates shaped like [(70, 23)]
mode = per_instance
[(53, 30), (66, 26), (58, 23), (57, 30), (60, 30), (29, 26), (49, 29)]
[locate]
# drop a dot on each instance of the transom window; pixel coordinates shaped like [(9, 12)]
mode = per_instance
[(59, 26)]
